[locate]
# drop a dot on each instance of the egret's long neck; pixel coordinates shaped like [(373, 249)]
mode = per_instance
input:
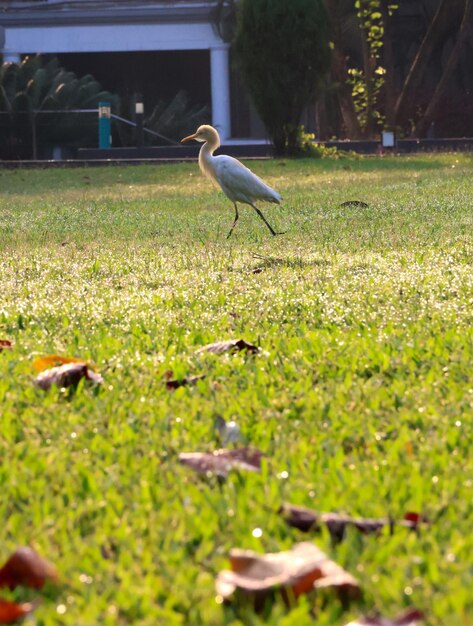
[(206, 156)]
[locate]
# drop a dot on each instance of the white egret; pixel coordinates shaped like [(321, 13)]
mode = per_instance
[(237, 182)]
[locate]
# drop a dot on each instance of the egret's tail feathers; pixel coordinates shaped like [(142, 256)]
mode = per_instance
[(272, 196), (277, 198)]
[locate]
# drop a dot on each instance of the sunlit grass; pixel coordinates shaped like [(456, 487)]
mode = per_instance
[(361, 397)]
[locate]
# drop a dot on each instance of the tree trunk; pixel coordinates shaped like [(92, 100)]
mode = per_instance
[(293, 144), (33, 136), (339, 72), (368, 69), (440, 23), (388, 62), (463, 34), (345, 97), (321, 123), (278, 139)]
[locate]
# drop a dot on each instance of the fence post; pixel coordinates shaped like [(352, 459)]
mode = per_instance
[(33, 136), (139, 111), (104, 125)]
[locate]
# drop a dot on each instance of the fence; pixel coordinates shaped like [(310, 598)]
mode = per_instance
[(25, 134)]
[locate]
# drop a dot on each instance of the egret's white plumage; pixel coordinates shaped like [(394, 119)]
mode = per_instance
[(237, 182)]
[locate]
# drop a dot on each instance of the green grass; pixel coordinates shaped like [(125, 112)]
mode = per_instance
[(362, 393)]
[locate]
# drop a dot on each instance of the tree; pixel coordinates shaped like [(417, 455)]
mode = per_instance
[(176, 118), (341, 20), (282, 51), (359, 59), (367, 57), (170, 120), (448, 12), (464, 32), (36, 85)]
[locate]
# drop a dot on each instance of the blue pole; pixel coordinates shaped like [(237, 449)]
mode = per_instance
[(104, 125)]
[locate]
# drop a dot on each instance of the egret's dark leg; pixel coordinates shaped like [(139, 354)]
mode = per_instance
[(235, 221), (273, 232)]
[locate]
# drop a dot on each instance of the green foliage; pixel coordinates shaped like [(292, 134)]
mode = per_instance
[(366, 93), (307, 147), (176, 118), (38, 84), (367, 83), (282, 52), (361, 397)]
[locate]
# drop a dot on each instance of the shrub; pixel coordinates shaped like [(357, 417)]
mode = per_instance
[(282, 51), (37, 84), (177, 117)]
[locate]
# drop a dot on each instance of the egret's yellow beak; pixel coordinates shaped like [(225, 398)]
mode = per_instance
[(188, 138)]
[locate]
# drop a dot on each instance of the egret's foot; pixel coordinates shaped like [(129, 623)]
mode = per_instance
[(231, 230), (270, 228), (282, 232)]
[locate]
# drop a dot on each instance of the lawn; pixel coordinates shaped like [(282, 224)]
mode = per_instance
[(361, 397)]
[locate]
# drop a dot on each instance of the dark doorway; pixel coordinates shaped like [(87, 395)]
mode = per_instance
[(154, 75)]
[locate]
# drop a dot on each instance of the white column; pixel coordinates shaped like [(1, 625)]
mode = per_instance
[(11, 57), (220, 87)]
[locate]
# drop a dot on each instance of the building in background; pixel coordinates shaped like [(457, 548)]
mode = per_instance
[(152, 47), (158, 48)]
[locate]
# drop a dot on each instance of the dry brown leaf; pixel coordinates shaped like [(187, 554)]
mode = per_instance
[(222, 461), (293, 572), (67, 375), (11, 612), (412, 520), (411, 617), (175, 383), (26, 568), (232, 345), (307, 519), (299, 517), (5, 344), (359, 203), (54, 360)]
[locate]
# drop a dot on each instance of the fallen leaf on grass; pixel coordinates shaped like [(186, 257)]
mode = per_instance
[(293, 572), (5, 344), (222, 461), (359, 203), (175, 383), (11, 612), (67, 375), (26, 568), (232, 345), (412, 520), (54, 360), (307, 519), (411, 617)]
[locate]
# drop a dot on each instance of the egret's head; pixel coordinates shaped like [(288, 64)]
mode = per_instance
[(203, 133)]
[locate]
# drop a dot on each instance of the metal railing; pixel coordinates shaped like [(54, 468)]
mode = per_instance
[(146, 130), (34, 115)]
